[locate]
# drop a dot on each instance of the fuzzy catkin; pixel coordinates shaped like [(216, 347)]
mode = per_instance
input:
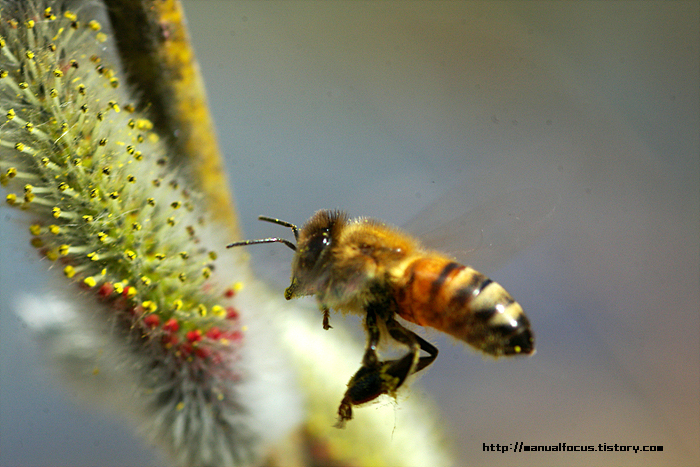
[(144, 273)]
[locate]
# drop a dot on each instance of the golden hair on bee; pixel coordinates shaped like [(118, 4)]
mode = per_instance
[(367, 267)]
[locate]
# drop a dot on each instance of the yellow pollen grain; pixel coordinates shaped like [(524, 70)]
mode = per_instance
[(144, 124)]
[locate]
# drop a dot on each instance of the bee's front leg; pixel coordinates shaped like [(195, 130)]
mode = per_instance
[(326, 317)]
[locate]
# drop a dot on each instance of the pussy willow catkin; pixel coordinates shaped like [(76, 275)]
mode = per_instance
[(132, 245)]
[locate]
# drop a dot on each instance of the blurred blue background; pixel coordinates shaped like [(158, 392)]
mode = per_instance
[(381, 108)]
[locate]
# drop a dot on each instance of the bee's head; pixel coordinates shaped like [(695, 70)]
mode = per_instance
[(313, 249), (312, 260)]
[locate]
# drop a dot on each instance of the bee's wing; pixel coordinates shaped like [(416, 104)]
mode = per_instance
[(491, 232)]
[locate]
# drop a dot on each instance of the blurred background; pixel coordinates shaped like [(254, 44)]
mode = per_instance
[(384, 108)]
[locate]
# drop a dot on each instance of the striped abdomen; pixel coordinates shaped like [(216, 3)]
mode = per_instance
[(455, 299)]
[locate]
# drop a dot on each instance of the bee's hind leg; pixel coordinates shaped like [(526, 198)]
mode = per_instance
[(367, 383), (414, 342), (375, 378)]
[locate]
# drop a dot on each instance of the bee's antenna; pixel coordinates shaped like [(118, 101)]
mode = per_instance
[(294, 228), (263, 240)]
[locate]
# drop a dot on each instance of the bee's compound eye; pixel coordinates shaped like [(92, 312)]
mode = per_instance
[(313, 249)]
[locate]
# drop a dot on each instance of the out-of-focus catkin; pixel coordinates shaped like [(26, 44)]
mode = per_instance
[(134, 248)]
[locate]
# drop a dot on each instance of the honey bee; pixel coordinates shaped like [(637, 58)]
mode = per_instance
[(367, 267)]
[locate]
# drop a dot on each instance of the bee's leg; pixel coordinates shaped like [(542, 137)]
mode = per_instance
[(375, 378), (372, 381), (370, 358), (414, 342), (326, 317), (367, 383)]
